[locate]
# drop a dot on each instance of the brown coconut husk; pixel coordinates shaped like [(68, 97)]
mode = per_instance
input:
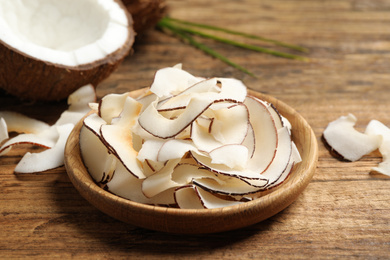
[(145, 13)]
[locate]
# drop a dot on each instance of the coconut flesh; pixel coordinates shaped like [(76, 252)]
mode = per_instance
[(51, 48), (189, 142), (351, 145), (37, 133)]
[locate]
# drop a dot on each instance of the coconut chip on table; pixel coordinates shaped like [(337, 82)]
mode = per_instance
[(35, 132), (351, 145), (176, 144)]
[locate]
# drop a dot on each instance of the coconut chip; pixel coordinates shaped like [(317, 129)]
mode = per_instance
[(3, 130), (35, 132), (375, 127), (49, 159), (352, 145)]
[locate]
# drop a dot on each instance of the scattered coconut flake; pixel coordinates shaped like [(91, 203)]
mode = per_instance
[(45, 139), (78, 103), (194, 142), (20, 123), (375, 127), (79, 100), (49, 159), (351, 144), (39, 133)]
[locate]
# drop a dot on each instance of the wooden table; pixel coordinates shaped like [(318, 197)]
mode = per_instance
[(343, 213)]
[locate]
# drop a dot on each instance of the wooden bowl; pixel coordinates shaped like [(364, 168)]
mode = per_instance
[(175, 220)]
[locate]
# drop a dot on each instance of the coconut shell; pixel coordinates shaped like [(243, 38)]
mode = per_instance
[(145, 13), (32, 79)]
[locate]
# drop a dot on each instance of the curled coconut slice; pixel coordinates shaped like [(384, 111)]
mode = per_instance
[(97, 156), (111, 106), (170, 81), (45, 139), (217, 129), (78, 103), (352, 145), (77, 41), (193, 197), (49, 159), (189, 173), (375, 127), (20, 123), (36, 132), (3, 130), (126, 185), (119, 139), (346, 141)]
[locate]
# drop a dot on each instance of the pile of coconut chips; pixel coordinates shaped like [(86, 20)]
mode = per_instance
[(189, 142)]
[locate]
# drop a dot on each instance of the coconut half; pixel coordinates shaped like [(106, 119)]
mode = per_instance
[(51, 48)]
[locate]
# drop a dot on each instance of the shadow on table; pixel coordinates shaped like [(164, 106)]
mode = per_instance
[(102, 232)]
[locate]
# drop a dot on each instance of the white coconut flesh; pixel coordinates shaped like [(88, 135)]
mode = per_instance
[(157, 183), (375, 127), (212, 132), (119, 138), (49, 159), (78, 103), (203, 142), (126, 185), (35, 132), (171, 80), (45, 139), (193, 197), (182, 99), (70, 33), (3, 130), (20, 123), (351, 144)]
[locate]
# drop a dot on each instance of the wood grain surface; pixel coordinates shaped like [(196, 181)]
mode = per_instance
[(343, 213)]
